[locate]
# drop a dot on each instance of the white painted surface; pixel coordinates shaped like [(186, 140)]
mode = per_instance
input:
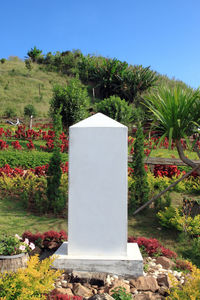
[(97, 218)]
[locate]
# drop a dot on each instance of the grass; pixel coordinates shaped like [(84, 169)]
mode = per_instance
[(165, 153), (19, 87), (14, 219)]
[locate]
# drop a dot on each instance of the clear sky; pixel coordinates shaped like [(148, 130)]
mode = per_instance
[(163, 34)]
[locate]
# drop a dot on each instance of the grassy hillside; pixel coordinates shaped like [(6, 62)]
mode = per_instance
[(19, 87)]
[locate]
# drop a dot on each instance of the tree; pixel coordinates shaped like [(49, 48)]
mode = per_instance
[(28, 64), (116, 108), (55, 198), (73, 101), (29, 110), (140, 189), (34, 54), (176, 113)]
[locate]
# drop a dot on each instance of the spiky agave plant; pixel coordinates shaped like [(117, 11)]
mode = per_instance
[(177, 114)]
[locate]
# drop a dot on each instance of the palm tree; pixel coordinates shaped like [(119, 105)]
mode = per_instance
[(177, 113)]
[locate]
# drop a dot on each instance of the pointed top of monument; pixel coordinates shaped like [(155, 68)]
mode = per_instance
[(98, 120)]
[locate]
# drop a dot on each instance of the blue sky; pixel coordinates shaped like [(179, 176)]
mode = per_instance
[(163, 34)]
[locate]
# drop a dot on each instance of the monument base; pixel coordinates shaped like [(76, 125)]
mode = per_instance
[(127, 266)]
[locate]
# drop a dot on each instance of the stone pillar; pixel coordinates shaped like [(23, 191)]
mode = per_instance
[(97, 209), (97, 220)]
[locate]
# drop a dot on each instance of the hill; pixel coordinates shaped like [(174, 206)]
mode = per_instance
[(19, 87)]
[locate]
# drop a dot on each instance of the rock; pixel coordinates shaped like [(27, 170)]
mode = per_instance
[(119, 283), (64, 291), (147, 283), (70, 285), (103, 296), (80, 290), (133, 290), (165, 262), (132, 282), (64, 283), (37, 250), (94, 278), (100, 291), (163, 280), (163, 290), (141, 297), (148, 296), (94, 291)]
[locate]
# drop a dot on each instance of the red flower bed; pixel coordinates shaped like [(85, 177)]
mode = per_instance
[(8, 171), (3, 145), (16, 145), (39, 171), (55, 295), (152, 247), (166, 170), (49, 240)]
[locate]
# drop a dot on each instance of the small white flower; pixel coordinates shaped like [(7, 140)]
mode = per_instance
[(22, 248), (32, 246), (26, 241), (18, 237)]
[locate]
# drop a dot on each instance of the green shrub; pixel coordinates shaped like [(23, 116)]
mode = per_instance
[(140, 188), (116, 108), (191, 251), (166, 216), (10, 112), (189, 290), (27, 160), (73, 100), (120, 293), (29, 110), (2, 60), (31, 191), (32, 282), (172, 217), (54, 195)]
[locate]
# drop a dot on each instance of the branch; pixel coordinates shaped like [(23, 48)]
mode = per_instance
[(165, 190), (196, 150), (182, 156)]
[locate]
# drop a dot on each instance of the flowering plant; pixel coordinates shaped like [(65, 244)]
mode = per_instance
[(12, 245)]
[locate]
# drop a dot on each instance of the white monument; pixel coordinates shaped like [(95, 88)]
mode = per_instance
[(97, 212)]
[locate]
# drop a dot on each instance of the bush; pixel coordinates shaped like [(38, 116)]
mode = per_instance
[(116, 108), (2, 60), (10, 112), (191, 251), (140, 188), (172, 217), (32, 282), (152, 247), (189, 290), (30, 190), (120, 293), (29, 110), (29, 159), (73, 101)]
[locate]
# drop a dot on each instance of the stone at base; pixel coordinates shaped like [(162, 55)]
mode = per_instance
[(130, 265)]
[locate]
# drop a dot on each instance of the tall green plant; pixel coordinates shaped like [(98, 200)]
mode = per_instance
[(55, 197), (140, 188), (176, 113), (116, 108), (73, 101)]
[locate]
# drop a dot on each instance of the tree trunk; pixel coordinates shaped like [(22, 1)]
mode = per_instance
[(182, 156)]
